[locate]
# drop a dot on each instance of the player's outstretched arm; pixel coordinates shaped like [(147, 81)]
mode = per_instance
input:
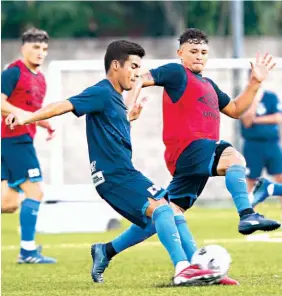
[(49, 111), (259, 73)]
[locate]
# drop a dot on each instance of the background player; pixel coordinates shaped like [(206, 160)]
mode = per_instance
[(261, 147), (191, 118), (264, 189), (108, 135), (23, 87)]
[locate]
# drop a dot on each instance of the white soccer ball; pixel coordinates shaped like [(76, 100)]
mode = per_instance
[(213, 257)]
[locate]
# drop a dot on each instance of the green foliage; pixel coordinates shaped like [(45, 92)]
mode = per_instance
[(65, 19)]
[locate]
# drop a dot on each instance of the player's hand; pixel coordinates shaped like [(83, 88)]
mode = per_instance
[(19, 118), (261, 68), (51, 134), (137, 109)]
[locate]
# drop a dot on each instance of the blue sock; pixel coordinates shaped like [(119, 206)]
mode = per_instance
[(187, 240), (236, 184), (168, 234), (28, 218), (277, 190), (133, 236)]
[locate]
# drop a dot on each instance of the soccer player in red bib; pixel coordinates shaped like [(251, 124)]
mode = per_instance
[(194, 152), (23, 87), (116, 180)]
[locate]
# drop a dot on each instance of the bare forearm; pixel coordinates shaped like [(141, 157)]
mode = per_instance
[(245, 99), (269, 119), (133, 94), (51, 110), (145, 80)]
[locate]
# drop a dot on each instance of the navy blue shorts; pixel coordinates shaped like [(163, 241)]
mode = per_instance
[(194, 166), (260, 155), (19, 161), (129, 196)]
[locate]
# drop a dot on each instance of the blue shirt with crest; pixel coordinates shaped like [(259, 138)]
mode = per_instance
[(268, 105)]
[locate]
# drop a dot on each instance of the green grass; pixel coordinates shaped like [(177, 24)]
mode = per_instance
[(145, 269)]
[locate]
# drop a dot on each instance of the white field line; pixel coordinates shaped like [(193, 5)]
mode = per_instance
[(263, 238)]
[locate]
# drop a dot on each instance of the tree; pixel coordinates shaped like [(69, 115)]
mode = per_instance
[(64, 19)]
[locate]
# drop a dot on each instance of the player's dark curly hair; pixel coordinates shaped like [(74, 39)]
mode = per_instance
[(193, 35), (120, 50), (35, 35)]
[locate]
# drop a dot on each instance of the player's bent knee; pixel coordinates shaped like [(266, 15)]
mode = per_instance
[(278, 178), (9, 205), (176, 209), (153, 204), (8, 209), (32, 190), (230, 157), (10, 200)]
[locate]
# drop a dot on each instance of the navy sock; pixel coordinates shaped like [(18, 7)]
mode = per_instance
[(28, 218), (187, 240), (236, 184), (168, 234), (110, 251)]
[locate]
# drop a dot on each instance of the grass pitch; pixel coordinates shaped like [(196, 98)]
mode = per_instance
[(145, 269)]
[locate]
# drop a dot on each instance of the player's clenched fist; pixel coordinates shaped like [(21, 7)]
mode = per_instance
[(18, 118)]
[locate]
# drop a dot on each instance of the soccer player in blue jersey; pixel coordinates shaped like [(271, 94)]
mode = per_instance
[(261, 149), (263, 189), (108, 135), (23, 87), (191, 119)]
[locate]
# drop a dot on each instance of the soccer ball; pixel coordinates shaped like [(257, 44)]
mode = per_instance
[(212, 257)]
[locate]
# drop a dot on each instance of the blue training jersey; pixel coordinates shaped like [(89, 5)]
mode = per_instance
[(268, 105), (174, 79), (9, 80), (107, 129)]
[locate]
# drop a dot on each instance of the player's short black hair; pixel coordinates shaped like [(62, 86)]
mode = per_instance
[(35, 35), (120, 50), (193, 35)]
